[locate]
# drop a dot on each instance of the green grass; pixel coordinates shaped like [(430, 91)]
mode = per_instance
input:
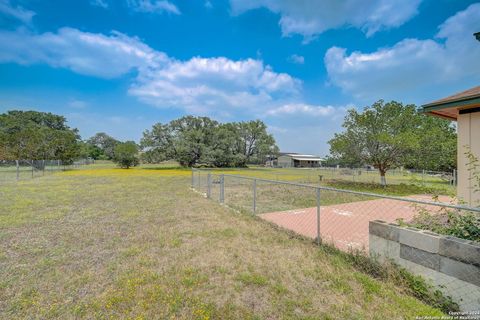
[(312, 176), (112, 243), (403, 189)]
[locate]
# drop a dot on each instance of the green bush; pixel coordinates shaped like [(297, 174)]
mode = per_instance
[(464, 225), (126, 154)]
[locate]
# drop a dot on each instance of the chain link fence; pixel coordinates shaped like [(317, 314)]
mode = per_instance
[(363, 222), (365, 175), (15, 170)]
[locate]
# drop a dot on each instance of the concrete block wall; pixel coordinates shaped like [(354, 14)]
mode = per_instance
[(450, 264)]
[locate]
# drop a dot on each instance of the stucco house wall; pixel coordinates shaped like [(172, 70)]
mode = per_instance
[(468, 135)]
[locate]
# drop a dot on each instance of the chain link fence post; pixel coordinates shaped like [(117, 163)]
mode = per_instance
[(209, 185), (193, 178), (199, 182), (319, 241), (222, 188), (18, 169), (254, 196)]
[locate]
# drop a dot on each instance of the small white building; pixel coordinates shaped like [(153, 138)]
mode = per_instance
[(294, 160)]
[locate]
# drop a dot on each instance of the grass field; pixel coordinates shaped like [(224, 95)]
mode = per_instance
[(102, 242), (398, 183)]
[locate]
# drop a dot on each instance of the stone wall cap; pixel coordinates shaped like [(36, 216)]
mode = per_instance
[(431, 233)]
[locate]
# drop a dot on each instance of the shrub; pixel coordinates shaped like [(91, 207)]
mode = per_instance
[(126, 154), (464, 225)]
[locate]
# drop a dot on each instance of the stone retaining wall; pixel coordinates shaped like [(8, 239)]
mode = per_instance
[(451, 264)]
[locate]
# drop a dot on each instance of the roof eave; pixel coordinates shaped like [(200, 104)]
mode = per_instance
[(461, 103), (440, 115)]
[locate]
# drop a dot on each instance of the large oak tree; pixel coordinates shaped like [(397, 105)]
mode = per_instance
[(36, 135), (389, 135), (200, 140)]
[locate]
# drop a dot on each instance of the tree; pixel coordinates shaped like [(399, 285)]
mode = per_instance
[(382, 135), (201, 140), (126, 154), (92, 151), (255, 142), (224, 152), (37, 135), (436, 147), (105, 143), (186, 140)]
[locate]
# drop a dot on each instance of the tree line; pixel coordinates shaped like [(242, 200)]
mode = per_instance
[(385, 135), (191, 141)]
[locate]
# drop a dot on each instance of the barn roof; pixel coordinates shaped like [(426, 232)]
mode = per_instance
[(304, 157)]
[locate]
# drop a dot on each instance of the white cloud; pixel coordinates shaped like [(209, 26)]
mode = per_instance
[(302, 109), (198, 85), (105, 56), (312, 17), (201, 84), (153, 6), (18, 13), (99, 3), (411, 66), (297, 59)]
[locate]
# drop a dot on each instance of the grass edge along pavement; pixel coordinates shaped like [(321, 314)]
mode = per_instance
[(140, 233)]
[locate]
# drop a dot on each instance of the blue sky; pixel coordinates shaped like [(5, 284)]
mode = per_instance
[(121, 66)]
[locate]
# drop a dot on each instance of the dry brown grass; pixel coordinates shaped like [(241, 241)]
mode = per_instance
[(141, 244)]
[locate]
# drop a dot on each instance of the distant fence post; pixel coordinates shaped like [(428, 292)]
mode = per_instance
[(209, 185), (18, 169), (193, 178), (222, 188), (319, 241), (254, 196), (32, 168)]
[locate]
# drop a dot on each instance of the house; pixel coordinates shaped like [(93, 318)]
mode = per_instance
[(463, 107), (295, 160)]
